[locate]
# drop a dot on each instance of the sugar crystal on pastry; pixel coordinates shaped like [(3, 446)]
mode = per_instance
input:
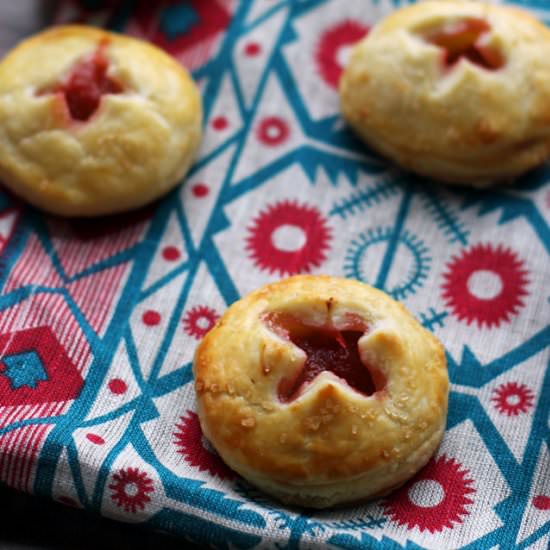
[(337, 393), (455, 90)]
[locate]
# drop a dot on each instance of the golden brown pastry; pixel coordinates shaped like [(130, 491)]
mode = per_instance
[(456, 90), (94, 123), (321, 390)]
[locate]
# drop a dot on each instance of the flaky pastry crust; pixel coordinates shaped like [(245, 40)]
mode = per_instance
[(477, 118), (331, 444), (135, 147)]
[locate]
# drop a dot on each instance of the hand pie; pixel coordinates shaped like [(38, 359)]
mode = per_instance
[(321, 391), (455, 90), (94, 123)]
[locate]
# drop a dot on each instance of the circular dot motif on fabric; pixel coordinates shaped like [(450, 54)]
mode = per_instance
[(151, 318), (171, 253), (273, 131), (117, 386), (95, 439), (200, 190), (541, 502), (220, 123), (252, 49)]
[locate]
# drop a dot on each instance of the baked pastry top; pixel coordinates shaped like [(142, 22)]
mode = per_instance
[(94, 123), (454, 89), (321, 390)]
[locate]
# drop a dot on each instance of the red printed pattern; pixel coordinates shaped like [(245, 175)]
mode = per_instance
[(497, 304), (446, 485), (197, 452), (295, 258)]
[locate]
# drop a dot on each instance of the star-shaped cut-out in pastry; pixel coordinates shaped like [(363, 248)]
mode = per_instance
[(467, 39), (87, 82), (326, 349)]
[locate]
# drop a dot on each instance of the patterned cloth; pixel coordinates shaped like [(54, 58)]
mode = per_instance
[(99, 320)]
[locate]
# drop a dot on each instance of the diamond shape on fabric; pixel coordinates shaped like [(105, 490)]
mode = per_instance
[(35, 369)]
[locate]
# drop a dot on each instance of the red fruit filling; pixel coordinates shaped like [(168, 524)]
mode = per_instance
[(326, 349), (467, 39), (86, 83)]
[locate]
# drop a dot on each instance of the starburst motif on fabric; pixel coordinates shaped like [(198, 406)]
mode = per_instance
[(130, 489), (199, 320), (485, 284), (288, 238), (197, 452), (333, 46), (434, 499), (512, 398)]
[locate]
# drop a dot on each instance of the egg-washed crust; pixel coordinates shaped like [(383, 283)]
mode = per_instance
[(464, 125), (136, 147), (332, 445)]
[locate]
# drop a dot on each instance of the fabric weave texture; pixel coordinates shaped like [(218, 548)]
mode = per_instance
[(99, 320)]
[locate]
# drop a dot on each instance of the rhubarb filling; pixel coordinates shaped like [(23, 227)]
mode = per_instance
[(85, 85), (326, 349), (467, 39)]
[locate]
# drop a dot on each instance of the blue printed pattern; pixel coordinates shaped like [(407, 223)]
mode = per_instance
[(278, 173)]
